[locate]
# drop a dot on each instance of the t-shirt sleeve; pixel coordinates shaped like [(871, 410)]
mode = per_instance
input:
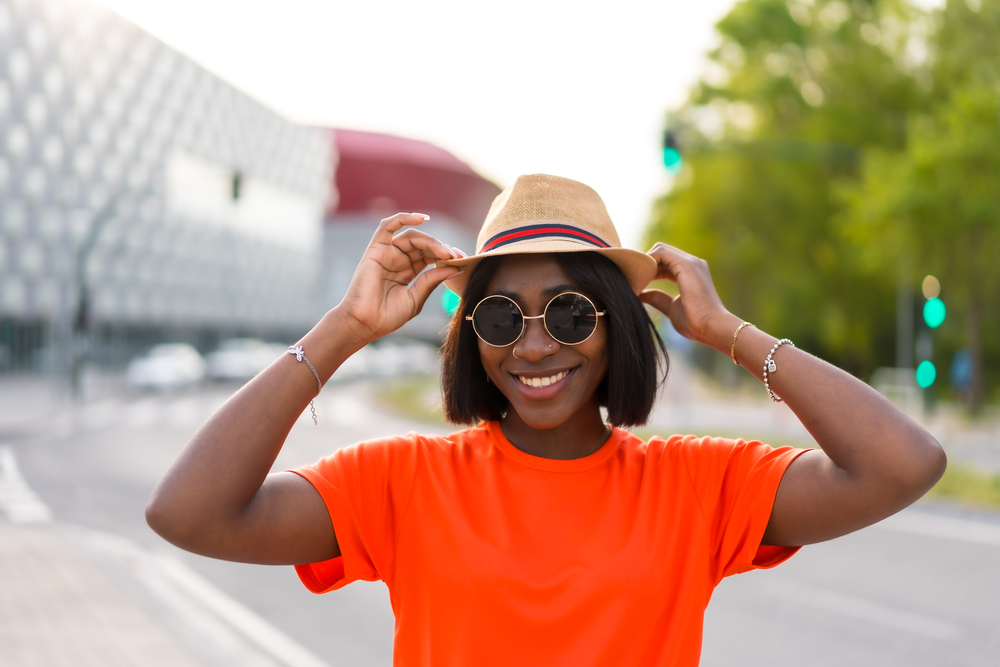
[(736, 482), (366, 489)]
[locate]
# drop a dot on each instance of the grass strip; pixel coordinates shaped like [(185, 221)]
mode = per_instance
[(413, 397), (968, 486)]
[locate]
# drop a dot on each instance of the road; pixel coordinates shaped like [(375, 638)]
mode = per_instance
[(922, 589)]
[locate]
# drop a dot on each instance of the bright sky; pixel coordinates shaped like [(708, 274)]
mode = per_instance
[(575, 88)]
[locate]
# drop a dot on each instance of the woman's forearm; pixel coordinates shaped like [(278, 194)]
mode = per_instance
[(853, 423), (223, 467), (217, 499), (886, 459)]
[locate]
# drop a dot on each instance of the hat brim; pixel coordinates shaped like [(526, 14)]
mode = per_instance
[(638, 267)]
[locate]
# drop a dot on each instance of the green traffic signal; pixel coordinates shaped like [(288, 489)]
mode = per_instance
[(934, 312), (671, 153), (926, 374), (672, 160), (450, 301)]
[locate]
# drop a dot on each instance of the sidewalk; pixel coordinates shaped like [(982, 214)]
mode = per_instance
[(58, 609), (70, 595)]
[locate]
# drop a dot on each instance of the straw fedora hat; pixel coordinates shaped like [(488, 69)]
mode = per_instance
[(548, 214)]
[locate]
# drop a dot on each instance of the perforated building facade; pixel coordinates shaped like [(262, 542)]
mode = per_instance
[(204, 207)]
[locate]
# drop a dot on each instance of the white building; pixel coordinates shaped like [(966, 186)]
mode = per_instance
[(205, 207)]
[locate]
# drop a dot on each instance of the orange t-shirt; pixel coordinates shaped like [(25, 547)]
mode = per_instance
[(496, 557)]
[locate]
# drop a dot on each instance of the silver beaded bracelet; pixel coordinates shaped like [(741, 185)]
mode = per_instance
[(771, 367), (300, 355)]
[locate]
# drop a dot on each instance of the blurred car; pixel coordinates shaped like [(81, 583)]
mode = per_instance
[(389, 357), (241, 358), (401, 356), (167, 366)]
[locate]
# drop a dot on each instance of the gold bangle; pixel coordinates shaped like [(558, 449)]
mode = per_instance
[(732, 350)]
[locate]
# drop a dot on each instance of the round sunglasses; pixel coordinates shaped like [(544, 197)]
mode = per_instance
[(570, 318)]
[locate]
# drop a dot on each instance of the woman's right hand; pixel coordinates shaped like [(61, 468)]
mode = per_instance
[(380, 298), (218, 499)]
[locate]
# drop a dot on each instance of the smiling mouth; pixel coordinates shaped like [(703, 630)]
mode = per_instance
[(542, 382)]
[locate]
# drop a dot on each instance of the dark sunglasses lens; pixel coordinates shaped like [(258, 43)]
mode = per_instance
[(571, 318), (498, 321)]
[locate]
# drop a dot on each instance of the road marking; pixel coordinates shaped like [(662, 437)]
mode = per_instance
[(946, 527), (269, 638), (862, 610), (19, 502), (185, 590)]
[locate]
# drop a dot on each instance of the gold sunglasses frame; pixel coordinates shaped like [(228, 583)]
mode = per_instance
[(524, 318)]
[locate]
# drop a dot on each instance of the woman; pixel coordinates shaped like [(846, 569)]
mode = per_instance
[(541, 535)]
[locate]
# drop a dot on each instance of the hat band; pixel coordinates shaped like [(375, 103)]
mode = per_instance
[(547, 230)]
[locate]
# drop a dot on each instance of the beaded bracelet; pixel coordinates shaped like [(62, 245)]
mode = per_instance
[(300, 355), (771, 367)]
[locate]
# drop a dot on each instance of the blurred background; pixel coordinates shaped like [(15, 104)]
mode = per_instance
[(186, 187)]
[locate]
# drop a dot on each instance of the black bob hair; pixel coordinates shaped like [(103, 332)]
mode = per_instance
[(636, 352)]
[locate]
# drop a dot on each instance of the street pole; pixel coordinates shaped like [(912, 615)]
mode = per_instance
[(80, 342), (80, 339), (904, 317)]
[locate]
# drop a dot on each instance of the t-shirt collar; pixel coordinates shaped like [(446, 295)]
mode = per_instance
[(606, 451)]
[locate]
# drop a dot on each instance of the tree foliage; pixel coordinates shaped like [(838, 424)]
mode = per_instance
[(826, 140), (938, 200)]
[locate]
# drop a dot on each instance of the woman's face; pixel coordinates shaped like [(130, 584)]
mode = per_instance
[(531, 281)]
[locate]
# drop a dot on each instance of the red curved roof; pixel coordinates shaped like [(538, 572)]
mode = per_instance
[(385, 173)]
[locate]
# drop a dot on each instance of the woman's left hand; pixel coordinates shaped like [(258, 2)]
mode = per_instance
[(697, 312), (875, 460)]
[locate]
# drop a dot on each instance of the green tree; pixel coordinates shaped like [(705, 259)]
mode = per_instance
[(937, 202), (790, 100)]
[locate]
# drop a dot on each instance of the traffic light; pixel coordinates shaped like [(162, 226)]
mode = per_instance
[(926, 374), (671, 153), (450, 301), (934, 315), (934, 310)]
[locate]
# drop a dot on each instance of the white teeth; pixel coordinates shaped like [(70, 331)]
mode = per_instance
[(542, 382)]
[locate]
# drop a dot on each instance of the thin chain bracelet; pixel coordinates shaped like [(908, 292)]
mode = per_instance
[(771, 367), (300, 355)]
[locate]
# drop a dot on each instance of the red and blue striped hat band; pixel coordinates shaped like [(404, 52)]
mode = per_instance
[(547, 230), (542, 214)]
